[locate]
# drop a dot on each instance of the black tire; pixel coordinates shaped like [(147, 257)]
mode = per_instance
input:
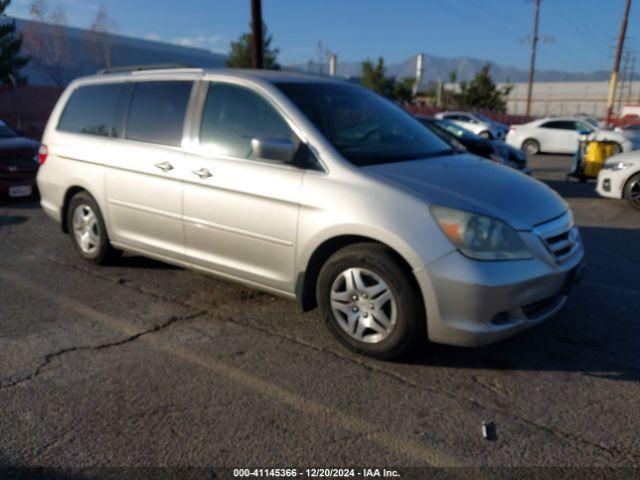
[(104, 252), (409, 329), (531, 146), (486, 134), (632, 191)]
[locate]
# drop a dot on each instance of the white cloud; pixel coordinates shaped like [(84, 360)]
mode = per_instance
[(216, 43), (154, 37)]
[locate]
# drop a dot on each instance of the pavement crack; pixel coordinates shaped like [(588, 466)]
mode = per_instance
[(50, 357)]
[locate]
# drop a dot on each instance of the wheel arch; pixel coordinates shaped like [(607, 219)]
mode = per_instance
[(69, 194), (306, 280)]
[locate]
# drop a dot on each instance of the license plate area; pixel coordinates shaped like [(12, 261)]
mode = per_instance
[(20, 191)]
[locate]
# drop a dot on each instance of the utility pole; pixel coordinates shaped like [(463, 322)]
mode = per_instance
[(257, 53), (534, 47), (616, 64)]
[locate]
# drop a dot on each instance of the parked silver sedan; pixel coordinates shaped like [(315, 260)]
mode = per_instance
[(313, 189)]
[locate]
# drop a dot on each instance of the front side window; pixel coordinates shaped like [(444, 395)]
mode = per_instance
[(365, 128), (233, 116), (91, 110), (157, 112)]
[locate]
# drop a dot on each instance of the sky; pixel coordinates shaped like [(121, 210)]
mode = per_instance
[(577, 35)]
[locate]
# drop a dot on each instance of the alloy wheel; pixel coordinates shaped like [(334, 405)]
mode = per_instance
[(363, 305), (86, 229)]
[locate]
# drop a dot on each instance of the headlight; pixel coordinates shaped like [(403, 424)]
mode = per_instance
[(480, 237), (616, 165)]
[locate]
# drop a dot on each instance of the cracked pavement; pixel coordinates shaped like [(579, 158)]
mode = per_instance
[(144, 364)]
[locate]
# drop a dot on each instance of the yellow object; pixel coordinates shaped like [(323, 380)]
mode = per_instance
[(595, 155)]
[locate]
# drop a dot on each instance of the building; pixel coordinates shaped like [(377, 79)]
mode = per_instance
[(569, 98), (59, 54)]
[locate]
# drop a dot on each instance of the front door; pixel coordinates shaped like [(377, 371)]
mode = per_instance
[(241, 212)]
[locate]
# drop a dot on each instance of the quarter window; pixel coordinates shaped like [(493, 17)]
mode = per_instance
[(233, 116), (157, 112), (91, 110)]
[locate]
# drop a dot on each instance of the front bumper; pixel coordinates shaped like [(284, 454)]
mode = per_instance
[(611, 183), (475, 303)]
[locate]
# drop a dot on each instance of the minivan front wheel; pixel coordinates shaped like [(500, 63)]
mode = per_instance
[(87, 229), (369, 302)]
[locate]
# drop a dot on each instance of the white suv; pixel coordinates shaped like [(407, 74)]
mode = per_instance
[(309, 188)]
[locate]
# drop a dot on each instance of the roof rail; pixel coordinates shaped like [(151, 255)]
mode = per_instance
[(141, 68)]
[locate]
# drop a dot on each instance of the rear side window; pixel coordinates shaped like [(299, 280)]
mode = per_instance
[(157, 112), (91, 110), (234, 115)]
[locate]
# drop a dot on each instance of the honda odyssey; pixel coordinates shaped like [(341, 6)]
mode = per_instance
[(309, 188)]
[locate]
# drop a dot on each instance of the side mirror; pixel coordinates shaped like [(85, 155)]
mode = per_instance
[(273, 148)]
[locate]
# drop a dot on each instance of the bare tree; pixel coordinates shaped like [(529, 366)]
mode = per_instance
[(48, 43), (99, 40)]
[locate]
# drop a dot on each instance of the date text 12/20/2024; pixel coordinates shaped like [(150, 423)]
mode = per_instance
[(315, 473)]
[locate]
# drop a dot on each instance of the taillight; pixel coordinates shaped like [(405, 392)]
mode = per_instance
[(43, 153)]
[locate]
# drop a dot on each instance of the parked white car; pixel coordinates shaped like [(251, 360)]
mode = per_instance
[(560, 135), (620, 178), (476, 123)]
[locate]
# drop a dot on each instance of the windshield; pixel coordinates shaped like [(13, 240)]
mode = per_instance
[(484, 118), (456, 130), (5, 130), (365, 128)]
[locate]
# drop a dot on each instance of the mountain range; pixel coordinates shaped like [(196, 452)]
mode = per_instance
[(435, 67)]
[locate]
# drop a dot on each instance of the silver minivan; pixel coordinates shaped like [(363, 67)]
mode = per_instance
[(310, 188)]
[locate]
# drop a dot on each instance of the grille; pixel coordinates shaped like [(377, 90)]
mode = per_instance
[(560, 236)]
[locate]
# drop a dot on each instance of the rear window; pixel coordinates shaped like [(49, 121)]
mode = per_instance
[(157, 112), (91, 110)]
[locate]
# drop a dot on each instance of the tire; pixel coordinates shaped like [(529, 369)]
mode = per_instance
[(381, 315), (531, 146), (486, 134), (632, 191), (87, 230)]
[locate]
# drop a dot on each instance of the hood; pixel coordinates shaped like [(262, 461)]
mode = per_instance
[(17, 147), (609, 135), (470, 183), (631, 156)]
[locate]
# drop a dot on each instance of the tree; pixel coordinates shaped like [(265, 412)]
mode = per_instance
[(11, 62), (374, 77), (482, 92), (403, 90), (240, 55), (98, 38), (48, 43)]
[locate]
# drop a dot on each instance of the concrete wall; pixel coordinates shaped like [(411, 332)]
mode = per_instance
[(568, 98)]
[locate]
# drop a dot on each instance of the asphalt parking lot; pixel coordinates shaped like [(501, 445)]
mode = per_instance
[(142, 363)]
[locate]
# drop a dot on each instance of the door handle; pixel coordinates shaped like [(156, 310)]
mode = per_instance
[(203, 173), (164, 166)]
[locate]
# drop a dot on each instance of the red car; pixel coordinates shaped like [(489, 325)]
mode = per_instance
[(18, 164)]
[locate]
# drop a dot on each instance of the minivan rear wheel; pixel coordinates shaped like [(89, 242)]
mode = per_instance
[(369, 302), (87, 230)]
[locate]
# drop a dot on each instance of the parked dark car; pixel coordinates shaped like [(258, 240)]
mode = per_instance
[(18, 164), (495, 150)]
